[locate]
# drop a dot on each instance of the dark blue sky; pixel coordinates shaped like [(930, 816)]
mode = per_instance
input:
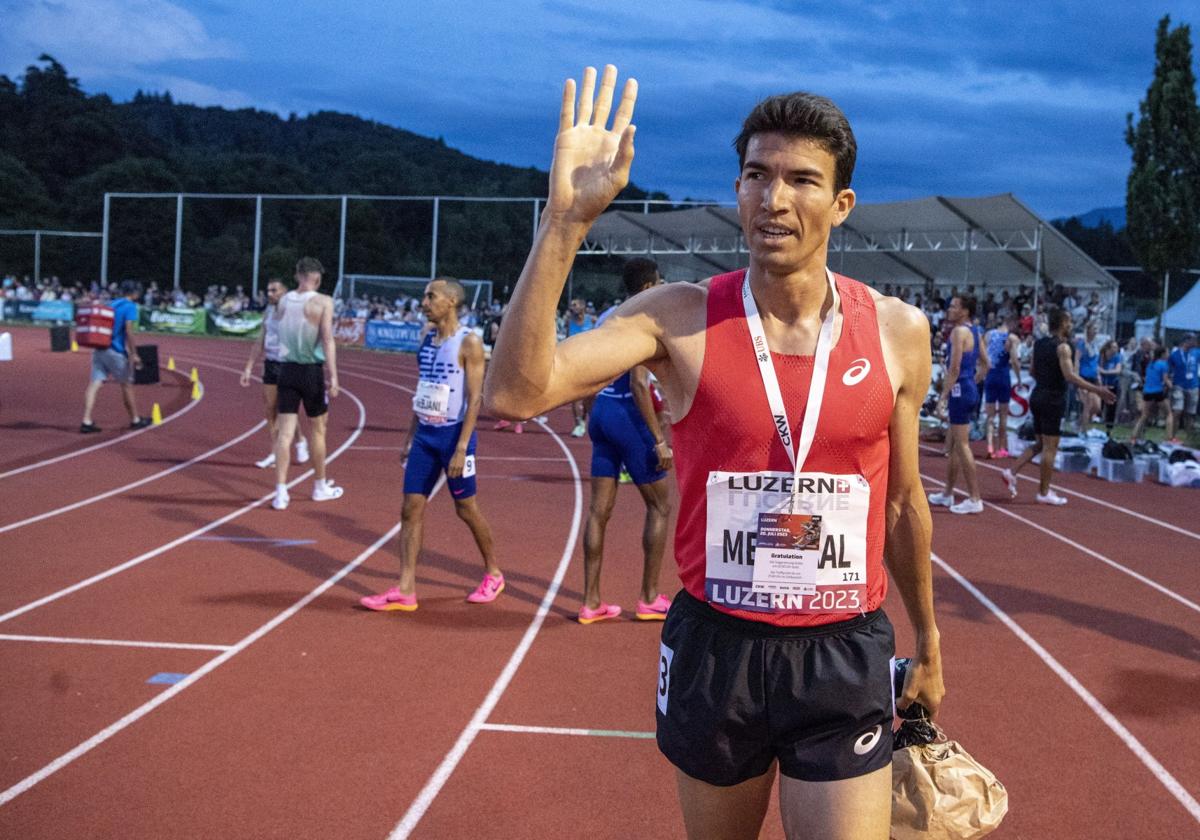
[(951, 98)]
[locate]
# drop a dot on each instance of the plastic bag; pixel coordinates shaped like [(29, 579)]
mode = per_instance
[(939, 792)]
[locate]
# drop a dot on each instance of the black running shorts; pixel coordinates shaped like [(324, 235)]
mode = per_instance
[(735, 695), (302, 384), (271, 372), (1047, 408)]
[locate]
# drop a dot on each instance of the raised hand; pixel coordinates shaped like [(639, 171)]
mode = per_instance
[(591, 162)]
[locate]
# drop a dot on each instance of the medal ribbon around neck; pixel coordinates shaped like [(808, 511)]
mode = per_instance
[(816, 391)]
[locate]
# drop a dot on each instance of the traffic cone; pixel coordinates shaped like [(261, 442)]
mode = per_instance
[(195, 375), (74, 346), (170, 363), (156, 415), (196, 390)]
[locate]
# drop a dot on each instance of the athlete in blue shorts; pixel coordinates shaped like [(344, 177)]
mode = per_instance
[(440, 439), (625, 432), (965, 368), (1002, 349)]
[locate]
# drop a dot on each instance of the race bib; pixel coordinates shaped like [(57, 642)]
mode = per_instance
[(432, 401), (764, 555)]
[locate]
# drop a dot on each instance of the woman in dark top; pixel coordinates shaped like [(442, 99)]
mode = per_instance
[(1053, 367)]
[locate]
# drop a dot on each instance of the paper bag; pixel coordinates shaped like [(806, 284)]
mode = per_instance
[(939, 792)]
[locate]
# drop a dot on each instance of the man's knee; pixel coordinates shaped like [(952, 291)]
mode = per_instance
[(467, 509), (413, 508)]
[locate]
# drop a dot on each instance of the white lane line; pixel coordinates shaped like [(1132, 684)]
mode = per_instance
[(75, 454), (60, 640), (1152, 764), (118, 490), (564, 730), (1138, 576), (217, 523), (1178, 530), (442, 774), (207, 668)]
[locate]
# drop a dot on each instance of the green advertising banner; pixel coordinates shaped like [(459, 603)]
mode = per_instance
[(244, 323), (174, 319)]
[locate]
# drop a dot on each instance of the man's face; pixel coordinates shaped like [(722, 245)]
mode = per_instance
[(576, 307), (436, 303), (274, 292), (955, 312), (786, 201)]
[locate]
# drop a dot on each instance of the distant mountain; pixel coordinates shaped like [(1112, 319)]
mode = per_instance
[(1115, 216)]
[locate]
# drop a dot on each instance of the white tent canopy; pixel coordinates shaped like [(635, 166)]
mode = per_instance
[(1184, 315), (989, 243)]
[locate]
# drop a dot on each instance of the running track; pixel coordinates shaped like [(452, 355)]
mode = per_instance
[(1069, 635)]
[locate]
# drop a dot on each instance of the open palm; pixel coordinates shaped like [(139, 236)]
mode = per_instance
[(591, 162)]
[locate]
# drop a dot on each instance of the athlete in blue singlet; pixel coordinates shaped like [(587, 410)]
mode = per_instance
[(1087, 365), (1002, 351), (625, 432), (441, 437), (965, 367)]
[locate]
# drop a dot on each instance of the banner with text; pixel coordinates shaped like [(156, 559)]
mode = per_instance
[(243, 323), (384, 335), (30, 310), (174, 319)]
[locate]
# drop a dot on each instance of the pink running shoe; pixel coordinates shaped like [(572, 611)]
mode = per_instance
[(393, 599), (601, 613), (519, 428), (1002, 453), (656, 610), (487, 590), (500, 425)]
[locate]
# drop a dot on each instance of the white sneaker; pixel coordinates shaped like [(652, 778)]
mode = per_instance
[(580, 429), (326, 491), (266, 463), (943, 499), (1011, 481), (301, 452), (968, 506), (1051, 498), (280, 502)]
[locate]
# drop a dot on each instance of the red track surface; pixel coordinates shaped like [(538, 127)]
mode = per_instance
[(334, 721)]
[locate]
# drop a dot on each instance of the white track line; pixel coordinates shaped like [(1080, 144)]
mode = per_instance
[(207, 668), (58, 640), (565, 730), (1092, 499), (443, 772), (141, 558), (1152, 764), (168, 419), (1138, 576), (118, 490)]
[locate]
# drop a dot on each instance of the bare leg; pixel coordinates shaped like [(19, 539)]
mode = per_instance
[(989, 416), (271, 409), (657, 497), (604, 496), (285, 428), (1143, 417), (961, 455), (1027, 456), (951, 463), (850, 809), (1170, 422), (89, 399), (317, 446), (468, 511), (725, 813), (1002, 409), (130, 401), (412, 517), (1049, 450)]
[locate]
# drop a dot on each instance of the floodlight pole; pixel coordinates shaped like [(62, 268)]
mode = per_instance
[(434, 245), (342, 244), (104, 243), (536, 204), (178, 236), (1037, 275), (37, 257), (257, 244), (966, 259)]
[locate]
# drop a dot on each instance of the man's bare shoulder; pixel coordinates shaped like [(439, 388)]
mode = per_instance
[(900, 321), (674, 307)]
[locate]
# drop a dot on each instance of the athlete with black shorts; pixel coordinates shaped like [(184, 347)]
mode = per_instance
[(795, 398), (268, 345), (1053, 367), (306, 346)]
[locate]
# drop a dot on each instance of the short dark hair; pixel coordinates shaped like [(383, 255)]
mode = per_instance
[(455, 289), (639, 273), (969, 303), (310, 265), (1055, 317), (807, 116), (130, 288)]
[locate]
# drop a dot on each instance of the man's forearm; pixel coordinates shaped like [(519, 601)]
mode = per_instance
[(469, 421), (907, 551), (523, 358)]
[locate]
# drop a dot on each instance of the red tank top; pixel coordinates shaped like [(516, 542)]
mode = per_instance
[(730, 428)]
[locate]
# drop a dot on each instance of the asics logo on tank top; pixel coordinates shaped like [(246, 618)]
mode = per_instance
[(857, 372), (867, 741)]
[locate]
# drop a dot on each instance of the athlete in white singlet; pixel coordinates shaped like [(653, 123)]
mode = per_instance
[(268, 345)]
